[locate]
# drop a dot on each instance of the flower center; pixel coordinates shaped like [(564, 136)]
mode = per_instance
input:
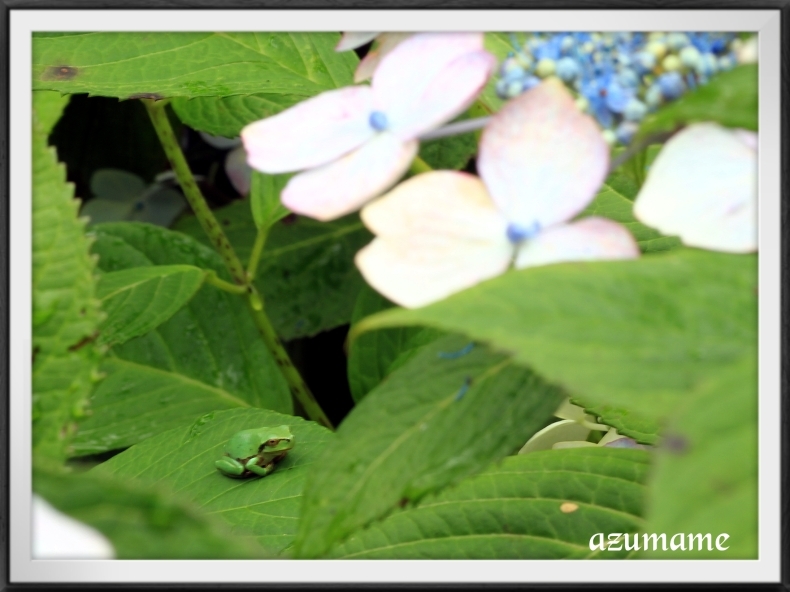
[(378, 120), (517, 233)]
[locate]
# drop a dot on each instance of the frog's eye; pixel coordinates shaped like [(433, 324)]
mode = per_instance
[(272, 443)]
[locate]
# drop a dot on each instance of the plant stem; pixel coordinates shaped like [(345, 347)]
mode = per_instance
[(213, 279), (299, 389), (297, 385), (158, 115), (255, 255), (459, 127), (637, 147)]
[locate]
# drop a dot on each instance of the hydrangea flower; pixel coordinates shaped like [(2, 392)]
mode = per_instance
[(355, 142), (620, 77), (702, 187), (541, 162), (386, 42)]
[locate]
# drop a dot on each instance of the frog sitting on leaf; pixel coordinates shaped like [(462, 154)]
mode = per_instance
[(255, 452)]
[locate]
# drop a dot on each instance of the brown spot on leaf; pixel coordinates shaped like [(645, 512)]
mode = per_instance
[(568, 507), (60, 73), (676, 444)]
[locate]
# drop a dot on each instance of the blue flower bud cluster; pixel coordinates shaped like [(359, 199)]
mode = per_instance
[(618, 77)]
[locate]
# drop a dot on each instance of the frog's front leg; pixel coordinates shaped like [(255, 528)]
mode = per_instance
[(230, 466), (258, 470)]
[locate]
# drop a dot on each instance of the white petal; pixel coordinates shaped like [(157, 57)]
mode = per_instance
[(560, 431), (586, 240), (312, 133), (703, 188), (408, 82), (58, 536), (343, 186), (438, 233), (238, 171), (541, 158), (386, 43), (452, 92), (354, 39)]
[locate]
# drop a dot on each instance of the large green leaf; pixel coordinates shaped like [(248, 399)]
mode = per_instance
[(373, 356), (48, 107), (226, 116), (66, 312), (544, 505), (705, 479), (142, 522), (207, 356), (638, 334), (434, 421), (312, 55), (306, 274), (160, 65), (265, 509), (730, 98), (625, 421), (615, 201), (140, 299)]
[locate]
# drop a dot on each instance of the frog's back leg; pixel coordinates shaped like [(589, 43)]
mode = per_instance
[(258, 470), (230, 466)]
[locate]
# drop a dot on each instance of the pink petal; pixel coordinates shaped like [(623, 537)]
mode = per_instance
[(311, 133), (414, 88), (438, 233), (703, 188), (341, 187), (541, 158), (586, 240), (386, 43), (354, 39)]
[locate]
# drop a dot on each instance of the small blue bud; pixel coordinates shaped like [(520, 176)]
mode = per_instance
[(378, 120), (635, 110), (617, 97), (718, 46), (530, 82), (628, 78), (671, 85), (517, 234), (568, 43), (514, 88), (653, 96), (644, 62), (567, 69), (625, 132), (623, 59), (511, 69), (677, 41), (726, 62)]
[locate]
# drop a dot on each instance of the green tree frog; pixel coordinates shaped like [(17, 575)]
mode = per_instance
[(254, 452)]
